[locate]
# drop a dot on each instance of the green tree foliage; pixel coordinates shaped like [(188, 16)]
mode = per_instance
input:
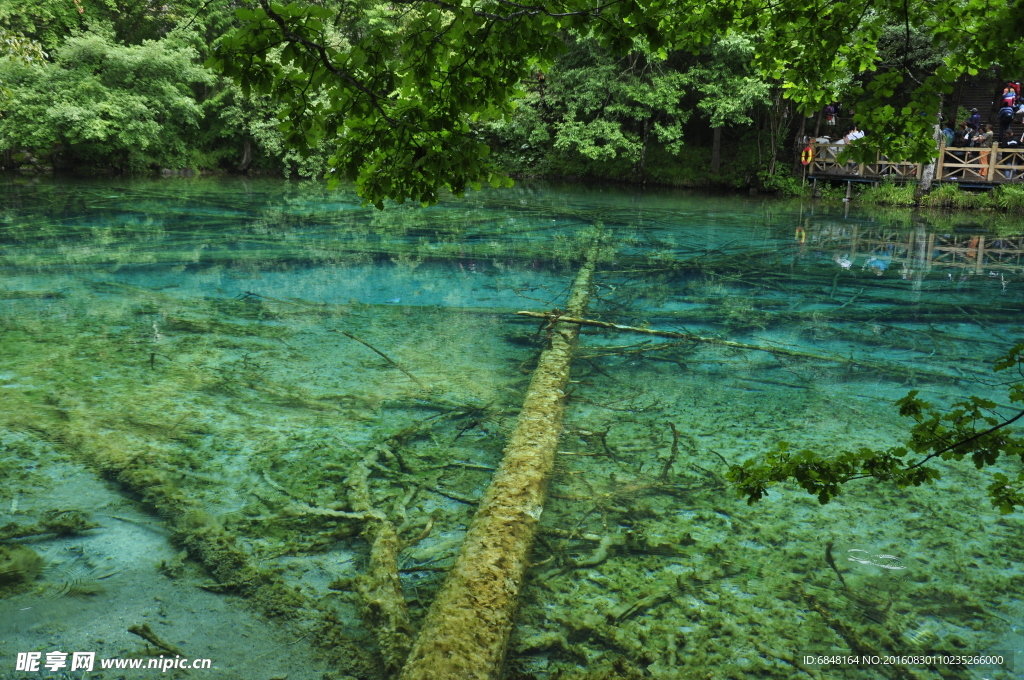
[(611, 107), (101, 103), (17, 46), (728, 86), (404, 84), (597, 113), (126, 22), (402, 97), (404, 89), (255, 117), (969, 428), (47, 24), (44, 22)]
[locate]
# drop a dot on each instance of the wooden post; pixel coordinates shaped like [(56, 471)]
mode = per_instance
[(920, 171), (942, 158), (992, 157)]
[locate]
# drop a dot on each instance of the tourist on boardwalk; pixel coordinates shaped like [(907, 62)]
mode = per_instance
[(984, 140), (1005, 118), (1009, 96), (974, 122), (1008, 141), (962, 137), (984, 137), (947, 132)]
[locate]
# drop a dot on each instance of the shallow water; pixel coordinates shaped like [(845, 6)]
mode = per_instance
[(184, 357)]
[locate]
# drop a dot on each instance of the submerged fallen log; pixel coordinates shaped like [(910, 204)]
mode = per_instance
[(144, 472), (384, 608), (466, 632)]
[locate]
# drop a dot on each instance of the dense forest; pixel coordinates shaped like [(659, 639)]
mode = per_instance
[(123, 87)]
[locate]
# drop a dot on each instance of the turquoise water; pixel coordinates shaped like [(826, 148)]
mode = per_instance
[(185, 357)]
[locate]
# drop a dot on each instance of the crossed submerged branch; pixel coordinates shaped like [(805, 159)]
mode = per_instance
[(892, 369)]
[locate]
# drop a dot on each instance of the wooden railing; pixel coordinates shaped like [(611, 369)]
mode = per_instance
[(825, 164), (955, 164)]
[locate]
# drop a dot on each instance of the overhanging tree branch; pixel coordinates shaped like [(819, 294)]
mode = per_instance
[(321, 51)]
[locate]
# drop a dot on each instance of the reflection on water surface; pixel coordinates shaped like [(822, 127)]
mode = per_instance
[(191, 371)]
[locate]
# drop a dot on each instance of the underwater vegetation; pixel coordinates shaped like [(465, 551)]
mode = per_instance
[(18, 564), (299, 405)]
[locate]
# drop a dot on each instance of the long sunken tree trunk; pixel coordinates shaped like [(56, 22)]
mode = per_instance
[(716, 151), (466, 631)]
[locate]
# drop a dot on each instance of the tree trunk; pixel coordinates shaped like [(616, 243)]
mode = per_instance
[(246, 161), (466, 632), (716, 151), (643, 151), (757, 126), (776, 115), (925, 185), (928, 173), (798, 143)]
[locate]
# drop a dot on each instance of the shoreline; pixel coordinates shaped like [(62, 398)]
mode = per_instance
[(943, 199)]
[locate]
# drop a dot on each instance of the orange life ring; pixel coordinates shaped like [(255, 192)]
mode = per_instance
[(807, 155), (800, 236)]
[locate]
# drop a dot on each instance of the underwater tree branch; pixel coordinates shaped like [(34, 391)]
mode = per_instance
[(384, 606), (386, 358), (880, 367)]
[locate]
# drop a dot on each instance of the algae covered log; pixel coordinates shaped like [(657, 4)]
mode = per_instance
[(466, 632), (384, 606), (143, 471)]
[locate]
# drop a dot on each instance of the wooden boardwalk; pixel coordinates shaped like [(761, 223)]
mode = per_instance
[(965, 166)]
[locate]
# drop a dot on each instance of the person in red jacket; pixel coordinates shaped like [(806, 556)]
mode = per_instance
[(1009, 96)]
